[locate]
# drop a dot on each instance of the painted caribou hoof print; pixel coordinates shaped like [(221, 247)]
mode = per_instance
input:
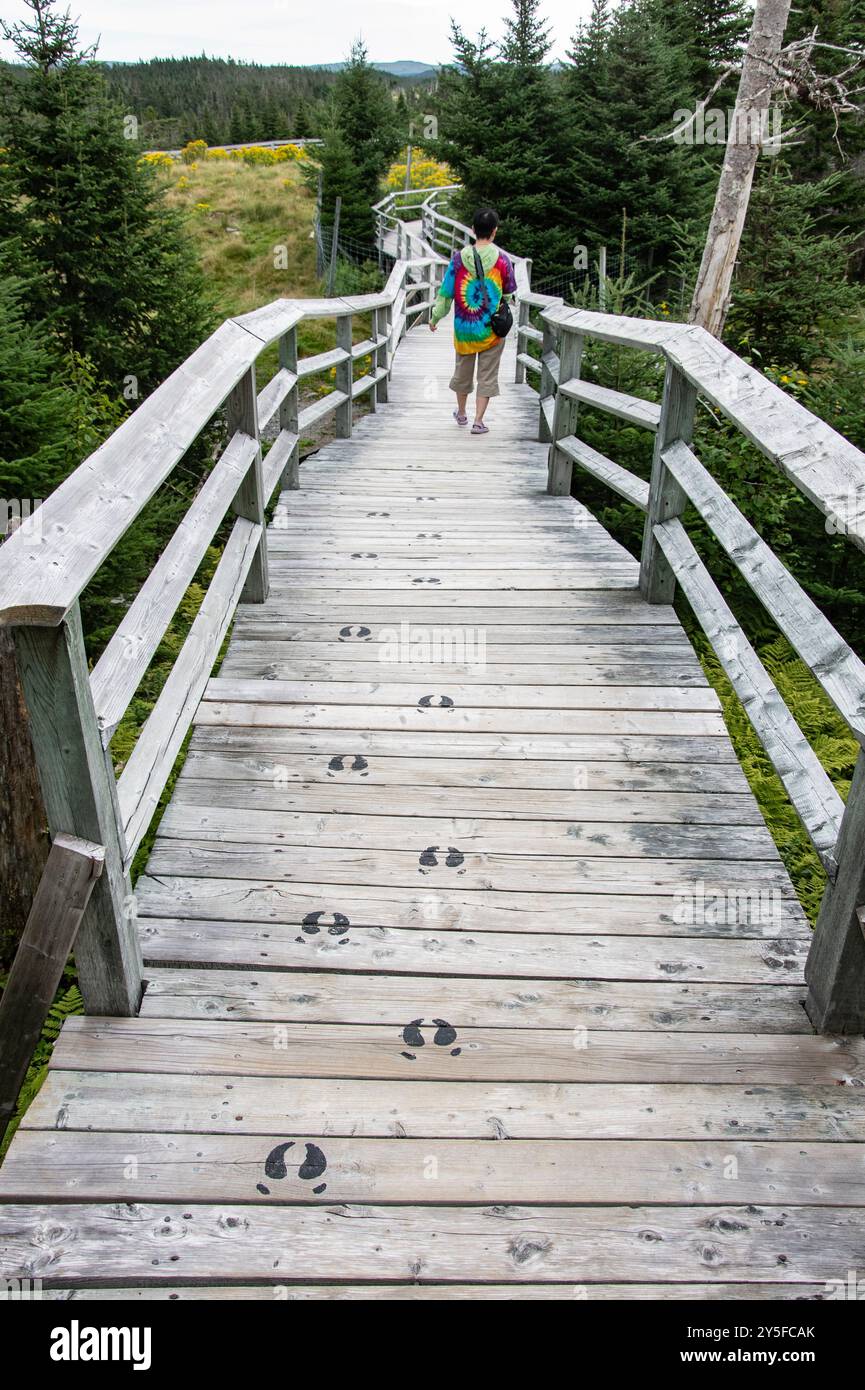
[(444, 1036), (428, 859), (334, 923), (435, 702), (310, 1170), (357, 764), (355, 634)]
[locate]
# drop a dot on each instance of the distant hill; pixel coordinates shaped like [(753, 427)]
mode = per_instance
[(404, 67)]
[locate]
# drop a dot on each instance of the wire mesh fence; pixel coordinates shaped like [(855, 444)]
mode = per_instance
[(348, 250)]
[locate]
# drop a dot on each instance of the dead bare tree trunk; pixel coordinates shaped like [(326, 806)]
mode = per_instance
[(759, 76), (23, 836)]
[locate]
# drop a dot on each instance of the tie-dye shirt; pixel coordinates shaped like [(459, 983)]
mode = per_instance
[(474, 300)]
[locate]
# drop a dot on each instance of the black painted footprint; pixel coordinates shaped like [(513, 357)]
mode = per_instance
[(435, 702), (378, 513), (358, 764), (426, 581), (354, 634), (312, 1167), (364, 555), (445, 1035), (312, 925), (428, 859), (428, 536)]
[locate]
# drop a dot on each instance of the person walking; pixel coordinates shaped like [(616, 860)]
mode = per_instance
[(476, 281)]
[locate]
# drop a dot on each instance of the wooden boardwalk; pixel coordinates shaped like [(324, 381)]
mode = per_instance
[(473, 970)]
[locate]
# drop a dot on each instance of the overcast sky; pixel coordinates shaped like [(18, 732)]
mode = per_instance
[(290, 31)]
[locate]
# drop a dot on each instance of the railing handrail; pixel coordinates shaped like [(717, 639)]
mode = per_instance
[(52, 556)]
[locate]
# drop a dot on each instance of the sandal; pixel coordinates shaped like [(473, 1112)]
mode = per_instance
[(480, 428), (461, 419)]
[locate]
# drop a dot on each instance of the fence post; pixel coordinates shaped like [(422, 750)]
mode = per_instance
[(602, 279), (331, 273), (523, 313), (666, 498), (835, 969), (241, 411), (344, 376), (561, 467), (79, 793), (289, 408), (384, 321)]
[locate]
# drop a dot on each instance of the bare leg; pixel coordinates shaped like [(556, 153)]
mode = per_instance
[(462, 401), (481, 403)]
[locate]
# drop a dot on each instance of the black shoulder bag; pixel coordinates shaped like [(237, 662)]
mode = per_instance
[(502, 321)]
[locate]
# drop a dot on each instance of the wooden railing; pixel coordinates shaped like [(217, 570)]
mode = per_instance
[(830, 472), (48, 562)]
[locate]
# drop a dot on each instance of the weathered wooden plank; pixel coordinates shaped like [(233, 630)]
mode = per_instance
[(477, 1001), (834, 664), (697, 785), (633, 409), (147, 1101), (712, 751), (740, 1244), (626, 484), (416, 718), (284, 1168), (809, 787), (186, 820), (476, 871), (318, 410), (425, 948), (70, 874), (45, 567), (494, 1054), (118, 671), (271, 396), (469, 697), (150, 763), (442, 798), (426, 1293), (273, 662)]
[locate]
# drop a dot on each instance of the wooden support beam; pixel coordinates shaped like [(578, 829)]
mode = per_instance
[(666, 498), (68, 879), (835, 970), (288, 410), (343, 376), (242, 415), (80, 793), (381, 328), (560, 465)]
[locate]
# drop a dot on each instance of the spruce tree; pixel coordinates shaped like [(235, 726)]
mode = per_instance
[(116, 280), (367, 122)]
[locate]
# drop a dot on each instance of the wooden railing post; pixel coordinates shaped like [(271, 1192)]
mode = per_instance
[(666, 498), (79, 793), (560, 465), (344, 377), (523, 313), (835, 969), (241, 411), (381, 321), (290, 409)]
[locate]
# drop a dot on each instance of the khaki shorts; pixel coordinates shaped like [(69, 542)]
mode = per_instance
[(488, 371)]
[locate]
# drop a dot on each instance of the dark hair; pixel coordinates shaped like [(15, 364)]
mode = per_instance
[(484, 222)]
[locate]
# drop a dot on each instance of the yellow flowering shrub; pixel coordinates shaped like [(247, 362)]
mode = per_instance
[(217, 153), (157, 159), (195, 149), (425, 173)]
